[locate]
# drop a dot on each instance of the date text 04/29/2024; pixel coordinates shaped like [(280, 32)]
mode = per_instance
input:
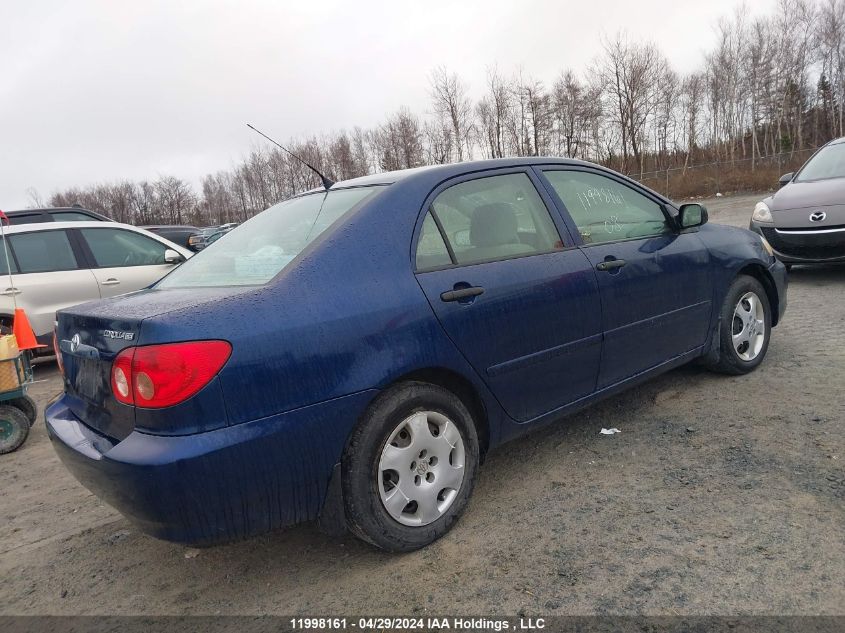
[(418, 624)]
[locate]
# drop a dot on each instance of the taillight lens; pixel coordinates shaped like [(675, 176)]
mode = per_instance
[(58, 353), (156, 376)]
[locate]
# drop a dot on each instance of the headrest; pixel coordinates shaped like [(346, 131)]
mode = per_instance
[(493, 225)]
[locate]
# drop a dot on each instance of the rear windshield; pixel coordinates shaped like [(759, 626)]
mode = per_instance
[(829, 162), (257, 250)]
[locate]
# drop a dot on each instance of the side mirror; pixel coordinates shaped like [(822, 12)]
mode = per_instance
[(691, 215), (786, 179), (173, 257)]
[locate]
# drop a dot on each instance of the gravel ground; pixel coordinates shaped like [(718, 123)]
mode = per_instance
[(720, 496)]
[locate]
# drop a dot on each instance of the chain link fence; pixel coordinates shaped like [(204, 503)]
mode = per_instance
[(708, 179)]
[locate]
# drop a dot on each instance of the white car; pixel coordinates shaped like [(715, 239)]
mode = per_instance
[(59, 264)]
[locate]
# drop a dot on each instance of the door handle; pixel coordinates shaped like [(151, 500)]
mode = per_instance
[(111, 281), (611, 264), (461, 293), (10, 292)]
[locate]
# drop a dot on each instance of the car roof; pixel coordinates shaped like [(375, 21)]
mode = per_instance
[(93, 224), (48, 210), (44, 210), (186, 227), (77, 224), (450, 170)]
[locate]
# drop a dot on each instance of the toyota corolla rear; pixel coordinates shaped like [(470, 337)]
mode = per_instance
[(176, 407), (804, 222)]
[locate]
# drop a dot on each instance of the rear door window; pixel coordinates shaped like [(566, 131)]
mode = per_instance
[(43, 251), (495, 217), (114, 248), (431, 249), (7, 259)]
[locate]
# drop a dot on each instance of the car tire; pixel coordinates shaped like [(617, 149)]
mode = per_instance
[(743, 345), (27, 406), (409, 468), (14, 427)]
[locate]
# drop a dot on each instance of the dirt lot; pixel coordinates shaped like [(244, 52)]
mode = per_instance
[(720, 496)]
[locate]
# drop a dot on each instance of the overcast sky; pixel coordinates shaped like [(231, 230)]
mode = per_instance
[(101, 91)]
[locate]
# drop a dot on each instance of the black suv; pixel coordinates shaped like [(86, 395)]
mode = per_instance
[(58, 214)]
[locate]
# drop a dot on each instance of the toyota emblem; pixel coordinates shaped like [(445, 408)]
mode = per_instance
[(74, 343), (818, 216)]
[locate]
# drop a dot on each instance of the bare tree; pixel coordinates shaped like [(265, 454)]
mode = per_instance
[(175, 197), (629, 74), (453, 108)]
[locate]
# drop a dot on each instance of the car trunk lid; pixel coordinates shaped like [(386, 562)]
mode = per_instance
[(91, 335), (88, 345)]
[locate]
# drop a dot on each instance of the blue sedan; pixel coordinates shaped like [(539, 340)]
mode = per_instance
[(351, 354)]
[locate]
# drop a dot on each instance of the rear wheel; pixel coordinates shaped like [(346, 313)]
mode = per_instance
[(27, 406), (746, 324), (14, 427), (410, 467)]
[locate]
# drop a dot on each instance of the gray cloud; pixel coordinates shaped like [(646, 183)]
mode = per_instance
[(100, 91)]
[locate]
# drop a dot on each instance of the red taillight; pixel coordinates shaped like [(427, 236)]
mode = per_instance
[(121, 376), (58, 353), (156, 376)]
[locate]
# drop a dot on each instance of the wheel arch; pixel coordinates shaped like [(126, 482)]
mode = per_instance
[(464, 389), (759, 272), (331, 518)]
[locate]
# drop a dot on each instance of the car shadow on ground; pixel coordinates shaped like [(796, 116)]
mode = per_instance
[(820, 272)]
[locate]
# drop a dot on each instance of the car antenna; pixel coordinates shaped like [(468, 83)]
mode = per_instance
[(327, 183)]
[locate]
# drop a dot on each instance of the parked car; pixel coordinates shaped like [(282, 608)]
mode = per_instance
[(210, 234), (212, 237), (58, 214), (188, 236), (58, 265), (804, 221), (351, 355)]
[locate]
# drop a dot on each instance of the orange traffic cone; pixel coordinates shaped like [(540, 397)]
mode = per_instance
[(23, 331)]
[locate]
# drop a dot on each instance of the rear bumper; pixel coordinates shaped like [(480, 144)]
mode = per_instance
[(811, 246), (216, 486)]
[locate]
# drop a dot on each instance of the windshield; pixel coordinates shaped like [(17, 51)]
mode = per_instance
[(828, 163), (257, 250)]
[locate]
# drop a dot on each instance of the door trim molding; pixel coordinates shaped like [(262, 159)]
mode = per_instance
[(543, 355)]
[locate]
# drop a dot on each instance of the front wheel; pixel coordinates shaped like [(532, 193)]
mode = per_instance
[(746, 325), (410, 467)]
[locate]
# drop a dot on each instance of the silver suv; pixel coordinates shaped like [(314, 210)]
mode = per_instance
[(59, 264)]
